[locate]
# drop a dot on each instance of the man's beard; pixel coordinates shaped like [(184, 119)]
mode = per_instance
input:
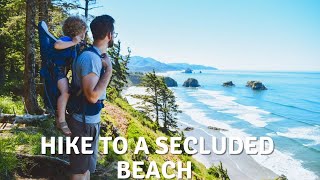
[(110, 43)]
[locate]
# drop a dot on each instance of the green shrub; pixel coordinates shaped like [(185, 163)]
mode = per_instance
[(9, 105), (33, 139), (282, 177), (8, 159), (219, 172)]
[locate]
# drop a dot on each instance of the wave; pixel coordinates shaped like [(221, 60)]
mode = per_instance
[(309, 146), (290, 106), (310, 101), (227, 104), (307, 133), (278, 162), (289, 118)]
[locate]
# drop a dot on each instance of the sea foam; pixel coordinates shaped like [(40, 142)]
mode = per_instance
[(226, 104), (278, 162), (307, 133)]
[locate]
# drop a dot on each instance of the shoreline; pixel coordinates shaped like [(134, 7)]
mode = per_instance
[(239, 167)]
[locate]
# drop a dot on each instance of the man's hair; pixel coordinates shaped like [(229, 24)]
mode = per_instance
[(73, 26), (101, 26)]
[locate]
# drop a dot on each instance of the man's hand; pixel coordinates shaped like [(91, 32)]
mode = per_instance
[(106, 63), (93, 86)]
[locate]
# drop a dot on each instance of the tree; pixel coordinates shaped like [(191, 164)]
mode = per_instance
[(159, 100), (119, 66), (86, 9), (219, 172), (3, 18), (43, 10), (12, 23), (30, 94), (152, 83), (168, 108)]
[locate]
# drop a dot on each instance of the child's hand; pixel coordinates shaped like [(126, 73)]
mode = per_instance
[(77, 39), (106, 63)]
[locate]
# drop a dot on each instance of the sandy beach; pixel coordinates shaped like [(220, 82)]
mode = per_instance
[(239, 167)]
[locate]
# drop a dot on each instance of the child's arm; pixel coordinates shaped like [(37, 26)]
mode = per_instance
[(66, 44)]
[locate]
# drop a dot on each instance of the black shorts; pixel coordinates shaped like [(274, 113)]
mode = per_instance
[(60, 72), (80, 163)]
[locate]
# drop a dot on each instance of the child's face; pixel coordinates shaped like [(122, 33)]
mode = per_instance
[(82, 34)]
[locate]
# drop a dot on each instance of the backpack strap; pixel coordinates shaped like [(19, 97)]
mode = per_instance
[(87, 108)]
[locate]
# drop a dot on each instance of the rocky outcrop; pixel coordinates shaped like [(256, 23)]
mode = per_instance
[(216, 128), (228, 84), (191, 82), (188, 70), (282, 177), (256, 85), (188, 128), (134, 79), (170, 82)]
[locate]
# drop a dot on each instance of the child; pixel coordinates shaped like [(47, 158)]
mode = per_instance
[(74, 29)]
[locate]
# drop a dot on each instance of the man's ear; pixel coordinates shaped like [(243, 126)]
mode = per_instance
[(109, 36)]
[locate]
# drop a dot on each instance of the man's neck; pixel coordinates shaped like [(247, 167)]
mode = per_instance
[(102, 46)]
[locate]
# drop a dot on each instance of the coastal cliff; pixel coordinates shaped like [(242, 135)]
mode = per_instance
[(118, 119)]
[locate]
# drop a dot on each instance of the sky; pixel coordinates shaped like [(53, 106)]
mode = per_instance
[(228, 34)]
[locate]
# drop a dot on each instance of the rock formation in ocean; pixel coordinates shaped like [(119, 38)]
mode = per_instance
[(228, 84), (216, 128), (256, 85), (188, 128), (188, 70), (191, 82), (170, 82)]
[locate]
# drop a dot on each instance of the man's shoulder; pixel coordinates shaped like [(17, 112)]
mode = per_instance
[(89, 62), (85, 55)]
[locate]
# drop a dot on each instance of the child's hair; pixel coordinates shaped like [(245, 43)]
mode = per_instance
[(73, 26)]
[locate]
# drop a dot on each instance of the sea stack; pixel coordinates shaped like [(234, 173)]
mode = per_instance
[(256, 85), (191, 82), (188, 128), (228, 84), (188, 71), (170, 82)]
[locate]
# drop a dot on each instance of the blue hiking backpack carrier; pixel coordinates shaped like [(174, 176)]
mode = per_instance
[(77, 103), (51, 91)]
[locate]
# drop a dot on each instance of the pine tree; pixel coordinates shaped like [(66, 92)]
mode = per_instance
[(12, 44), (150, 101), (119, 66), (43, 10), (159, 100), (219, 172), (30, 93), (168, 108)]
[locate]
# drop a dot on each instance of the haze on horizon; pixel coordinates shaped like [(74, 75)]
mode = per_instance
[(242, 35)]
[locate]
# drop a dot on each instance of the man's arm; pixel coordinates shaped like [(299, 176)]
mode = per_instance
[(93, 87)]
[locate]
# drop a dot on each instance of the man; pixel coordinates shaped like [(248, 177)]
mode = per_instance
[(92, 74)]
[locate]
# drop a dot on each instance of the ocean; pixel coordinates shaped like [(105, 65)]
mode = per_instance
[(288, 112)]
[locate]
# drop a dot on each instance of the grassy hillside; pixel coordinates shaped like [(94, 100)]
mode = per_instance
[(118, 119), (133, 124)]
